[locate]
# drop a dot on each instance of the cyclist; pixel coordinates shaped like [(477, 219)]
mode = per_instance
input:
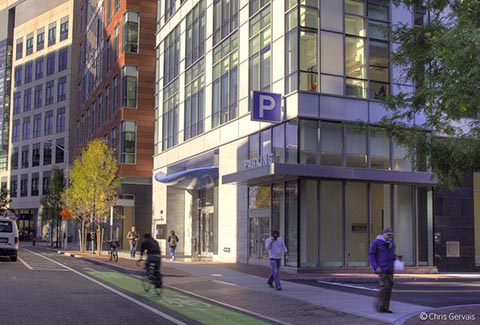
[(151, 248)]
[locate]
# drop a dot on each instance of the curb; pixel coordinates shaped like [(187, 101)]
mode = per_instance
[(119, 268)]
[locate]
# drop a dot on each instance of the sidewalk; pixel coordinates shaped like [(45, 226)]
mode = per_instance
[(253, 277)]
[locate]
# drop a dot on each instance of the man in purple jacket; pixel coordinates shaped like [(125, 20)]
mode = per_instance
[(382, 258)]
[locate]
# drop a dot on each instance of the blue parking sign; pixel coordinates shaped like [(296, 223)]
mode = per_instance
[(267, 107)]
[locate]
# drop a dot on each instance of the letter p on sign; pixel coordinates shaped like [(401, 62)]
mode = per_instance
[(266, 107)]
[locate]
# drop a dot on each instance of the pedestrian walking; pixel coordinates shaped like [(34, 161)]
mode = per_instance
[(133, 236), (276, 248), (382, 259), (172, 244)]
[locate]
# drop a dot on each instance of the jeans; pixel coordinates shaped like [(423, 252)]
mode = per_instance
[(172, 251), (275, 276), (155, 261), (133, 247)]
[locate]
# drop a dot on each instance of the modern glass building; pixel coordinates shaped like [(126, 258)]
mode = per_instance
[(224, 181), (39, 105)]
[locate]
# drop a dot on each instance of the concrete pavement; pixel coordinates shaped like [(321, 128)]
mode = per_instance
[(249, 280)]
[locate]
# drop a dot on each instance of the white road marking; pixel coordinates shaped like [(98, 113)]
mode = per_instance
[(25, 263), (121, 294)]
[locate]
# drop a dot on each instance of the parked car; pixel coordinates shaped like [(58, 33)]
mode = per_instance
[(9, 238)]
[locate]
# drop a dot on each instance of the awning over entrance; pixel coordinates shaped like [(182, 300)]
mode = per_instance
[(190, 178), (277, 171)]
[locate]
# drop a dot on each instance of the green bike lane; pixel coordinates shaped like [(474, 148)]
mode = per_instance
[(196, 309)]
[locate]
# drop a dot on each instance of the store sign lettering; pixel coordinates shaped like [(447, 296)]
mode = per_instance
[(259, 162)]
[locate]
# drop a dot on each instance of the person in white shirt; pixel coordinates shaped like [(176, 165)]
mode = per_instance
[(276, 248)]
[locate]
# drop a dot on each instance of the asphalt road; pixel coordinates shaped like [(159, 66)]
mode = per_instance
[(43, 287), (39, 289), (427, 293)]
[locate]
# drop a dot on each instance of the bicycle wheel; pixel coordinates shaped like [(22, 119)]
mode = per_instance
[(115, 256)]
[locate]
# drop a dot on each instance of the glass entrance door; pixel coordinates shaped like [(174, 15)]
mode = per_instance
[(259, 232), (206, 232)]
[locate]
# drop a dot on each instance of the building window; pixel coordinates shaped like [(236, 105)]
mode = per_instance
[(50, 64), (128, 140), (52, 34), (36, 154), (49, 92), (64, 30), (34, 186), (27, 100), (26, 128), (48, 127), (61, 89), (39, 69), (169, 8), (60, 151), (14, 163), (37, 125), (24, 185), (16, 102), (194, 100), (195, 34), (46, 183), (301, 29), (225, 19), (259, 46), (47, 153), (107, 103), (170, 116), (114, 95), (19, 49), (25, 154), (14, 186), (109, 10), (366, 49), (171, 56), (99, 111), (116, 6), (130, 32), (29, 45), (115, 44), (61, 121), (113, 137), (225, 81), (16, 131), (18, 76), (37, 100), (129, 86), (28, 72), (62, 59), (107, 54), (40, 40)]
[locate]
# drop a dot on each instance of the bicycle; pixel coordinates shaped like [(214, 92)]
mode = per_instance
[(150, 280), (112, 250)]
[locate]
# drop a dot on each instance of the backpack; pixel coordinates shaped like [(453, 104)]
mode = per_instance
[(173, 241)]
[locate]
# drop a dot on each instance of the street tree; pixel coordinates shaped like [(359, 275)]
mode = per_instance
[(93, 187), (52, 203), (439, 57)]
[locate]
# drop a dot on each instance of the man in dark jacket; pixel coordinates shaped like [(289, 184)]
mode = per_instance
[(382, 258), (150, 247)]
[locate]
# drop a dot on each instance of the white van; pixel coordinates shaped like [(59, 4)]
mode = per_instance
[(8, 238)]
